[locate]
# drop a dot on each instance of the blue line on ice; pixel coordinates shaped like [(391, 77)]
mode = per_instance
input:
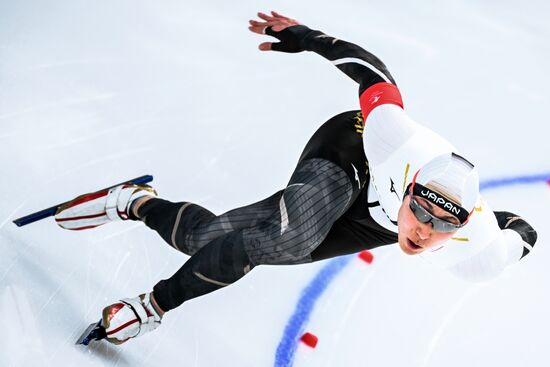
[(284, 356), (295, 326), (510, 181)]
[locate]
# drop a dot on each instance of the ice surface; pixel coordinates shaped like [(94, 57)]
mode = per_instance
[(93, 93)]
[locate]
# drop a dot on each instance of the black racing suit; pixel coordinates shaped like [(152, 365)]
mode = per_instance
[(326, 216), (322, 213)]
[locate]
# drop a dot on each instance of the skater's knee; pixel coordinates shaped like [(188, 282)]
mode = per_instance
[(293, 247), (216, 265)]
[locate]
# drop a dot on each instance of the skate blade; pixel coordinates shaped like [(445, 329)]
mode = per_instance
[(93, 332)]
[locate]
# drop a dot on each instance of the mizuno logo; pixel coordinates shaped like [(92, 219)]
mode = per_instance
[(392, 189), (334, 40), (450, 207), (375, 98), (356, 176), (511, 220)]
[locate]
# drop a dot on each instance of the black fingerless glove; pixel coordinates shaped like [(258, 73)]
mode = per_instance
[(293, 39), (507, 220)]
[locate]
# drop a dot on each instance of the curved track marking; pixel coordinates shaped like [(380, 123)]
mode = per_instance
[(286, 350)]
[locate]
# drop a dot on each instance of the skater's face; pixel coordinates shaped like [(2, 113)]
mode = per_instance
[(416, 237)]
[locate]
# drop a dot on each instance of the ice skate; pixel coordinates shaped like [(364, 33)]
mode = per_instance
[(130, 318), (95, 209)]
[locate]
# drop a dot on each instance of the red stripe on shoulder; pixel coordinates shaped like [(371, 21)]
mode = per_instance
[(379, 94)]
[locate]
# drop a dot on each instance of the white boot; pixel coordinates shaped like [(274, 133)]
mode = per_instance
[(97, 208), (129, 318)]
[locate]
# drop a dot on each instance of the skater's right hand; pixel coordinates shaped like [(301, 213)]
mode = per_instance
[(288, 31)]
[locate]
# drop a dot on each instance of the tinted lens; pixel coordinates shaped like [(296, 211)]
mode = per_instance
[(424, 216), (443, 226), (420, 213)]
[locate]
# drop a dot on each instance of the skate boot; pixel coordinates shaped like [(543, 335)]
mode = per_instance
[(130, 318), (97, 208)]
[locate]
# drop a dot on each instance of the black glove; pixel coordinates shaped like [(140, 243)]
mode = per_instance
[(507, 220), (291, 38)]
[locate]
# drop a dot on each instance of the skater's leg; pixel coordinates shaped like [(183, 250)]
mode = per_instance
[(318, 193), (188, 227), (301, 216)]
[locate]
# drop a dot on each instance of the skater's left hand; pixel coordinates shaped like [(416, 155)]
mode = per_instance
[(274, 25)]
